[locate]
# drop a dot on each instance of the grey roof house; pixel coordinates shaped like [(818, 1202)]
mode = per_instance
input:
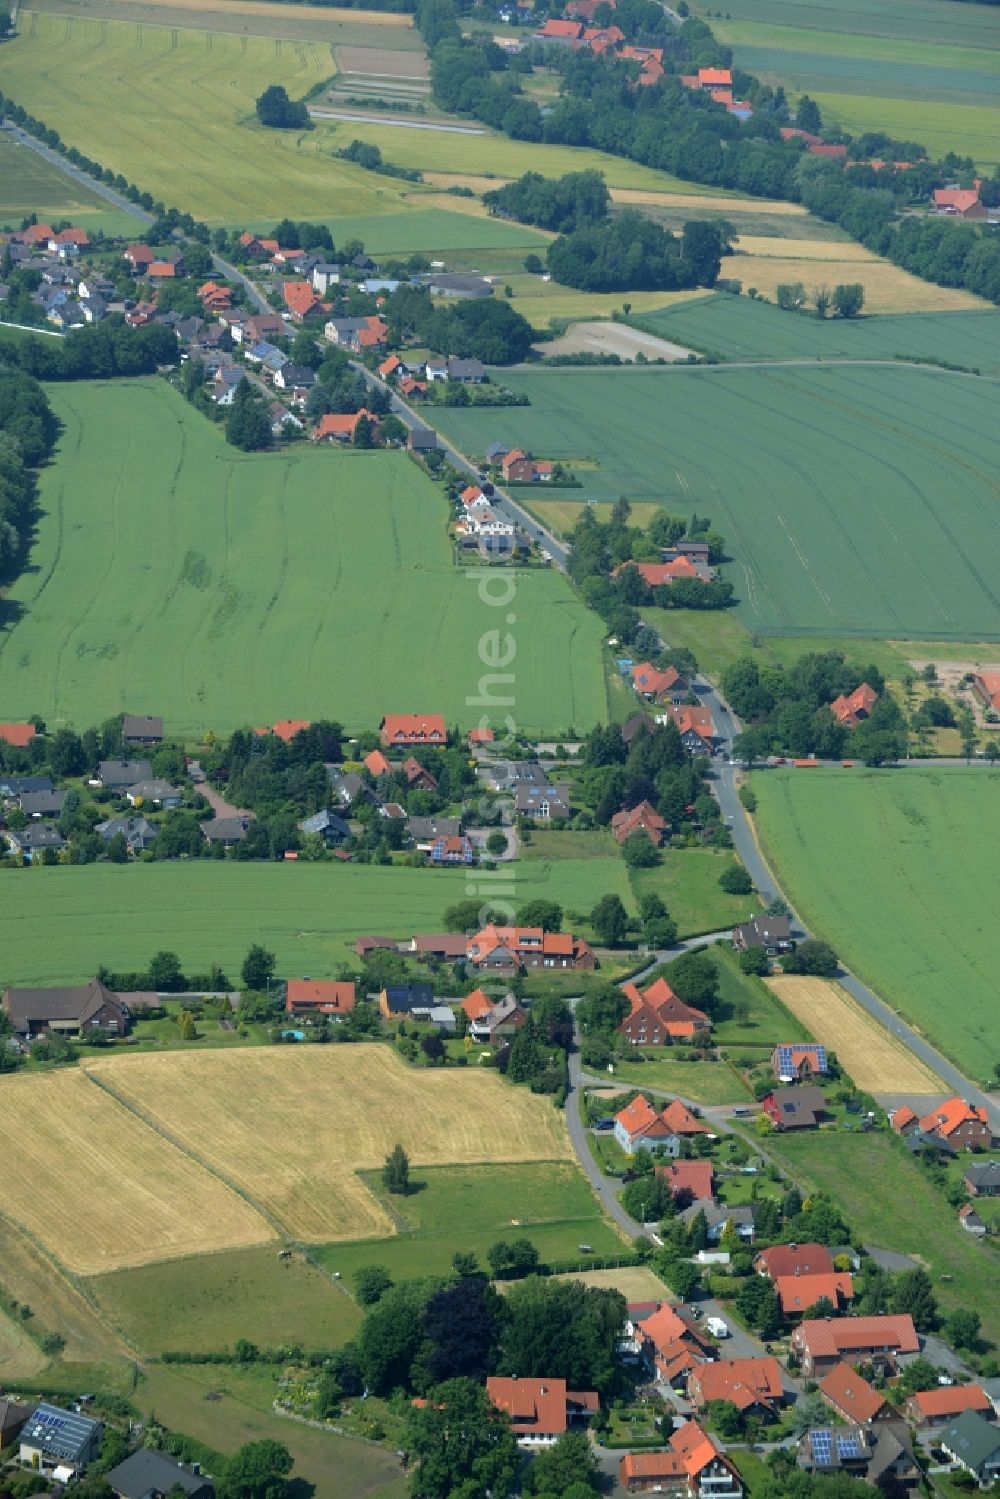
[(543, 803), (772, 933), (152, 1475), (974, 1443), (117, 774), (55, 1438), (35, 838), (227, 830), (14, 786), (41, 803), (67, 1010), (137, 832), (154, 790), (331, 828), (139, 729)]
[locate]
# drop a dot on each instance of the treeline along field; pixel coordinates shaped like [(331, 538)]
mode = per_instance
[(854, 501), (222, 589)]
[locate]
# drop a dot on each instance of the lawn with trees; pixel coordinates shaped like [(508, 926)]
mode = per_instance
[(893, 868)]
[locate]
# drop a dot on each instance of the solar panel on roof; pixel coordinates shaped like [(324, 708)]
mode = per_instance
[(849, 1446), (822, 1447)]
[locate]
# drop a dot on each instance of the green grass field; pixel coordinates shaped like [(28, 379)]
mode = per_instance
[(224, 589), (687, 881), (63, 923), (854, 501), (912, 67), (469, 1208), (205, 1304), (708, 1083), (895, 868), (734, 328), (29, 183), (427, 230), (871, 1178)]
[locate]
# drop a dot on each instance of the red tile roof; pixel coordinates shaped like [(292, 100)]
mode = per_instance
[(827, 150), (744, 1381), (413, 728), (961, 199), (677, 1019), (643, 818), (570, 29), (19, 735), (794, 1259), (851, 1395), (161, 270), (696, 1177), (648, 678), (715, 76), (335, 425), (797, 1293), (390, 365), (902, 1117), (538, 1406), (690, 1451), (328, 996), (299, 297), (836, 1335), (481, 736), (851, 709), (929, 1404), (697, 719), (286, 728), (377, 763), (950, 1116), (477, 1005)]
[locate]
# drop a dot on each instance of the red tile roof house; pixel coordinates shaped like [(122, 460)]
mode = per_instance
[(517, 467), (641, 819), (986, 686), (971, 1221), (492, 1021), (935, 1407), (959, 202), (319, 997), (959, 1123), (511, 949), (799, 1293), (794, 1259), (853, 1398), (18, 735), (669, 1340), (286, 728), (417, 777), (300, 299), (798, 1062), (662, 574), (658, 1015), (823, 1342), (752, 1384), (694, 1177), (903, 1120), (452, 850), (541, 1410), (695, 726), (377, 764), (692, 1465), (334, 427), (850, 711), (412, 728), (656, 685), (639, 1127)]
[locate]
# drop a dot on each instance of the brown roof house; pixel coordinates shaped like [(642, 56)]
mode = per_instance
[(853, 1398), (540, 1410), (658, 1017), (824, 1342), (794, 1108), (67, 1011), (752, 1384), (961, 1124)]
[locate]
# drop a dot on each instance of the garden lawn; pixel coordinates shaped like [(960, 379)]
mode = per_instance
[(204, 1304), (936, 73), (62, 924), (30, 183), (222, 1408), (687, 882), (469, 1208), (703, 1082), (754, 1015), (223, 588), (897, 870), (735, 328), (854, 501), (887, 1200)]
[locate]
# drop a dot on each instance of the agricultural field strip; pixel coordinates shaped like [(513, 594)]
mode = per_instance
[(974, 26), (876, 1060), (327, 1106), (902, 891), (99, 1189), (184, 590), (819, 569)]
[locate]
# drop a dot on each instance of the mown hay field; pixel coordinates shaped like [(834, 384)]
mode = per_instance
[(932, 73), (876, 1060), (62, 924), (854, 501), (897, 869), (99, 1189), (31, 1277), (261, 17), (735, 328), (30, 183), (250, 588), (292, 1127)]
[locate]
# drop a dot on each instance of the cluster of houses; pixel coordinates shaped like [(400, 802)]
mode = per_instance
[(60, 1444), (69, 297)]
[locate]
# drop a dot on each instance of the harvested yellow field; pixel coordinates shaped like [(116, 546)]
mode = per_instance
[(243, 11), (20, 1358), (829, 262), (31, 1277), (101, 1190), (717, 203), (292, 1126), (876, 1060), (636, 1282)]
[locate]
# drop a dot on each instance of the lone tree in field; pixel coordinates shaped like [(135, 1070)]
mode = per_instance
[(258, 967), (276, 109), (396, 1171)]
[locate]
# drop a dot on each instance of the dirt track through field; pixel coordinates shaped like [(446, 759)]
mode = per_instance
[(877, 1061)]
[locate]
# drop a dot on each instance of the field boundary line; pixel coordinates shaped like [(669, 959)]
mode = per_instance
[(192, 1155)]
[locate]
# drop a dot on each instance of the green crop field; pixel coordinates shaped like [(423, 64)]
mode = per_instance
[(469, 1208), (223, 589), (29, 183), (734, 328), (434, 230), (869, 1177), (895, 868), (62, 924), (854, 501), (916, 68), (205, 1303)]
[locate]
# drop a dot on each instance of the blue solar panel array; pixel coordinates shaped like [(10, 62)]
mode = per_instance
[(822, 1447), (786, 1067), (848, 1446)]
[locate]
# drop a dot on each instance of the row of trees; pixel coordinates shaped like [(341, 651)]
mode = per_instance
[(27, 432), (486, 328), (846, 300), (99, 352)]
